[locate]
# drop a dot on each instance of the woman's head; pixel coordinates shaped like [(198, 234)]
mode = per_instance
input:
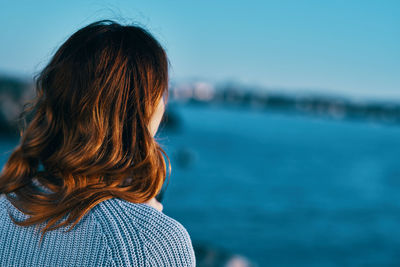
[(109, 68), (98, 105)]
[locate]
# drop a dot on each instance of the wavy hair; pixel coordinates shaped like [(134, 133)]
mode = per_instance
[(88, 138)]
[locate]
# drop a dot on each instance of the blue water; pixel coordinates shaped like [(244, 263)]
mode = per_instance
[(285, 190)]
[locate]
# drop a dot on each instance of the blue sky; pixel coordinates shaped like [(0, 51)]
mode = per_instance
[(338, 47)]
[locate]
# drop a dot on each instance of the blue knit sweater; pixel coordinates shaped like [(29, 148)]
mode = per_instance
[(114, 233)]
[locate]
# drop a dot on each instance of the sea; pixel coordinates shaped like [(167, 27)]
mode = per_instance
[(283, 189)]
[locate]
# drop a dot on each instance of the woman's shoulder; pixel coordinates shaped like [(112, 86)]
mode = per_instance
[(139, 215), (162, 238)]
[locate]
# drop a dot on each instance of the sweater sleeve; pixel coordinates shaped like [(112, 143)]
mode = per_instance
[(177, 250), (168, 243), (140, 235)]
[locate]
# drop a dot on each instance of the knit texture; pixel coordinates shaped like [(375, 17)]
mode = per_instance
[(114, 233)]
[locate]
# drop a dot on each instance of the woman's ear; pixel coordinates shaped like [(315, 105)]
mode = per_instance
[(156, 117)]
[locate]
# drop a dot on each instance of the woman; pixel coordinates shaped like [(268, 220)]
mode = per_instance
[(88, 159)]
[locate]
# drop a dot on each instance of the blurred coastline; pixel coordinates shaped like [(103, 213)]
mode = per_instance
[(322, 105), (14, 92)]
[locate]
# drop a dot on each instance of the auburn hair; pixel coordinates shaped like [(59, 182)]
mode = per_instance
[(88, 139)]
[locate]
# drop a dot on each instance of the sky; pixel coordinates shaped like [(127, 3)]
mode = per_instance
[(340, 47)]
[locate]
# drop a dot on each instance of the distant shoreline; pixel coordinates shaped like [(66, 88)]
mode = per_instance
[(316, 105), (15, 92)]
